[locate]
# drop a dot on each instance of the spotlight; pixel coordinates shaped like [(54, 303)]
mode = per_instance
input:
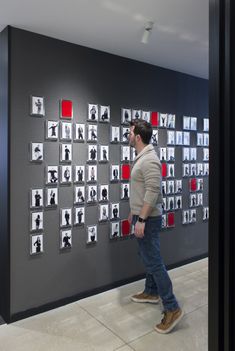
[(147, 31)]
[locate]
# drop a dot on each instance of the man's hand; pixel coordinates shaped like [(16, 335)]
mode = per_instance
[(139, 230)]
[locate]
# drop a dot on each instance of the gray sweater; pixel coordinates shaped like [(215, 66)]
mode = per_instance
[(146, 182)]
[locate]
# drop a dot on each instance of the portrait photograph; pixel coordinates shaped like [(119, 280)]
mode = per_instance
[(93, 112), (133, 153), (51, 197), (162, 155), (36, 244), (206, 169), (146, 116), (186, 170), (115, 134), (205, 215), (136, 114), (104, 153), (104, 192), (163, 120), (164, 189), (193, 123), (178, 138), (91, 234), (79, 215), (114, 173), (103, 212), (200, 171), (125, 191), (171, 154), (36, 198), (154, 138), (66, 131), (104, 114), (125, 153), (200, 141), (114, 210), (192, 200), (199, 199), (178, 202), (185, 217), (92, 153), (52, 175), (170, 137), (205, 139), (65, 152), (186, 123), (65, 239), (164, 224), (193, 169), (114, 230), (171, 121), (170, 170), (170, 203), (36, 221), (65, 217), (178, 186), (36, 152), (186, 138), (52, 128), (125, 131), (125, 116), (192, 215), (66, 174), (79, 174), (79, 195), (37, 106), (205, 124), (92, 133), (164, 207), (199, 184), (170, 187), (205, 154), (66, 109), (193, 154), (185, 154), (91, 174), (79, 133), (92, 193)]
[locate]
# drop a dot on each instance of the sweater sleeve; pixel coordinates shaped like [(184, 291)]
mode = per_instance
[(152, 181)]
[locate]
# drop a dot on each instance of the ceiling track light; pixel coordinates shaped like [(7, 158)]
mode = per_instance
[(147, 32)]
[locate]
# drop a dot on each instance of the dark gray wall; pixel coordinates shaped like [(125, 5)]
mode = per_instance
[(55, 69)]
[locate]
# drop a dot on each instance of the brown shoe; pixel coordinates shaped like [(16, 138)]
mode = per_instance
[(169, 321), (143, 297)]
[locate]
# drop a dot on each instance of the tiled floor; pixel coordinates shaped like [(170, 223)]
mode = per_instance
[(110, 321)]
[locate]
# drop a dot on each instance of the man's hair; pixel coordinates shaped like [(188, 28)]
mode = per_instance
[(143, 129)]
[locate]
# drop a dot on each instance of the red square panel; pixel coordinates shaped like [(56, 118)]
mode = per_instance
[(125, 228), (170, 219), (126, 172), (164, 170), (193, 184), (66, 109), (154, 119)]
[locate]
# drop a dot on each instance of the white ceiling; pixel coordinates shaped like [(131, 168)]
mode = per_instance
[(179, 39)]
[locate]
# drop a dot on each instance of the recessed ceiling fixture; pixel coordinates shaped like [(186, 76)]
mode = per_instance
[(147, 32)]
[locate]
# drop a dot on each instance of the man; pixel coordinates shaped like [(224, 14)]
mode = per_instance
[(146, 207)]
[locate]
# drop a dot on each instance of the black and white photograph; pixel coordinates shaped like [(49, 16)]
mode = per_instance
[(199, 184), (146, 116), (178, 186), (200, 140), (170, 203), (136, 114), (103, 212), (36, 244), (125, 115), (65, 152), (125, 131), (52, 175), (36, 221), (125, 191), (66, 131), (186, 138), (164, 224), (36, 152), (79, 132), (114, 230), (205, 154), (162, 155), (79, 195), (92, 193), (200, 171), (65, 217), (79, 215), (170, 187), (205, 139), (154, 138), (91, 234), (114, 210), (178, 138), (205, 215), (104, 114), (51, 197), (52, 130), (185, 154), (206, 169), (65, 239), (178, 202), (185, 217), (92, 112), (92, 133), (104, 153), (114, 134), (104, 192), (186, 123), (193, 154), (170, 170), (192, 200), (163, 120), (125, 153), (171, 121), (186, 170), (91, 174), (66, 174), (205, 124), (92, 153), (192, 215), (170, 137), (193, 123), (114, 173), (164, 189), (79, 174), (199, 199), (171, 154), (164, 207), (133, 154), (193, 169), (36, 198), (37, 106)]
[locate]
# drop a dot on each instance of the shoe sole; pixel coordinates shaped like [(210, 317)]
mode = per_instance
[(171, 327), (144, 300)]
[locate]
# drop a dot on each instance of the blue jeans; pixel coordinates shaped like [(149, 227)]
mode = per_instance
[(157, 280)]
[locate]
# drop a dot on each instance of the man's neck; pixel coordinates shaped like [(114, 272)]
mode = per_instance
[(140, 147)]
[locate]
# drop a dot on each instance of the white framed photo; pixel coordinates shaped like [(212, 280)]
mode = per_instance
[(114, 210), (154, 138), (205, 124), (170, 187), (133, 153), (163, 120), (193, 169), (114, 230), (65, 217), (164, 189), (37, 106), (125, 191), (178, 138), (164, 224), (170, 203), (206, 139), (36, 152), (206, 154), (66, 174), (51, 197), (114, 134), (171, 154), (125, 153), (79, 216), (200, 184), (92, 112), (170, 137), (92, 153), (199, 199), (103, 212), (65, 152), (104, 153), (171, 121), (199, 139), (36, 223), (52, 175), (146, 116), (185, 154), (104, 192), (136, 114), (192, 200), (185, 217), (52, 130), (178, 202), (186, 170), (92, 133), (92, 193), (114, 173), (79, 174), (205, 215), (193, 154), (79, 132), (79, 194), (125, 131), (200, 171), (186, 123), (125, 116), (91, 174), (104, 114), (65, 131), (178, 186), (164, 207), (186, 138), (206, 169), (170, 170), (36, 244), (36, 198), (192, 215), (65, 239), (162, 155), (91, 234), (193, 123)]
